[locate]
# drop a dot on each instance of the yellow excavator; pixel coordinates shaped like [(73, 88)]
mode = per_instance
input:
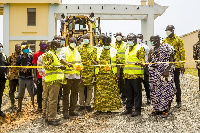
[(76, 26)]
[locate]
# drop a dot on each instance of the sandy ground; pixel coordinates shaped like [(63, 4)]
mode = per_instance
[(184, 119)]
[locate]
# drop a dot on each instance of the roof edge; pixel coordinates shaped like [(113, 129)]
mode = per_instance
[(190, 33), (31, 1)]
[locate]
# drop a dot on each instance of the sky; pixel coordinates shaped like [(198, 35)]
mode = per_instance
[(183, 14)]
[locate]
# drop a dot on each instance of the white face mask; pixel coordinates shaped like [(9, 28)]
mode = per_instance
[(73, 45), (118, 38), (107, 47), (1, 50), (168, 32), (139, 41)]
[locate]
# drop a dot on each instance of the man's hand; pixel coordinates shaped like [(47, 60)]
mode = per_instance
[(35, 79), (182, 69), (69, 65), (62, 67), (166, 74), (24, 70)]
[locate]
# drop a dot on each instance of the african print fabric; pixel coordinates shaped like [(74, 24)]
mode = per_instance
[(161, 91), (178, 45), (196, 53), (107, 92), (88, 54)]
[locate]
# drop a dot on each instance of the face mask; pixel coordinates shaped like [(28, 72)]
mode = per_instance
[(85, 41), (26, 51), (73, 45), (130, 43), (106, 47), (1, 50), (168, 32), (58, 50), (118, 38), (43, 46), (151, 42), (62, 43), (139, 41)]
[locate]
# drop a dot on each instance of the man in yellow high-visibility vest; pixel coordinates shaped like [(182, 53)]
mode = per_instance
[(133, 73), (120, 46), (71, 58), (53, 77)]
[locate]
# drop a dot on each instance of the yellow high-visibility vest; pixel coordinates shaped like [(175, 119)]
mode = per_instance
[(120, 51), (113, 53), (73, 58), (131, 58), (56, 74)]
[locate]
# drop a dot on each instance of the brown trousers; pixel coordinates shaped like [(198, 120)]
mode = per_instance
[(73, 86), (44, 97), (82, 96), (52, 100)]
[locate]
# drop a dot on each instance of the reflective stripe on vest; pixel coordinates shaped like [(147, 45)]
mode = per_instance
[(121, 51), (56, 74), (131, 58), (113, 53), (72, 58)]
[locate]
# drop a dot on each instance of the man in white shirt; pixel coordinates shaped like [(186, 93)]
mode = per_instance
[(71, 58), (146, 73)]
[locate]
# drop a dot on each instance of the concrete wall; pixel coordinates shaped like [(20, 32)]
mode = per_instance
[(18, 29), (18, 20), (189, 41)]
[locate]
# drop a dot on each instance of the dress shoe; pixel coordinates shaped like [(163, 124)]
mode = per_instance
[(136, 113), (148, 101), (73, 114), (88, 108), (81, 108), (53, 123), (66, 117), (2, 114), (126, 112), (178, 104)]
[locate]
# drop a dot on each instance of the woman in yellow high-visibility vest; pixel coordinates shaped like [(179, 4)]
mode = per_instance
[(107, 94)]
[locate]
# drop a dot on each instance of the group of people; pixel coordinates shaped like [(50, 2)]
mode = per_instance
[(114, 71)]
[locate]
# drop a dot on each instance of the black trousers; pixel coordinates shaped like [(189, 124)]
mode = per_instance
[(2, 87), (177, 84), (199, 77), (13, 85), (146, 82), (121, 84), (39, 93), (133, 93)]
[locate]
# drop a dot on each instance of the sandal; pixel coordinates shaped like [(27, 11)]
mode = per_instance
[(164, 114), (153, 113)]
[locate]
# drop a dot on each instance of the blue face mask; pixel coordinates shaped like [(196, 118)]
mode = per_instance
[(26, 51), (85, 41), (1, 50), (151, 42), (62, 43), (130, 43)]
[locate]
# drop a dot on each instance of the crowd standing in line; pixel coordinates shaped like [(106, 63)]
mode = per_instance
[(114, 72)]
